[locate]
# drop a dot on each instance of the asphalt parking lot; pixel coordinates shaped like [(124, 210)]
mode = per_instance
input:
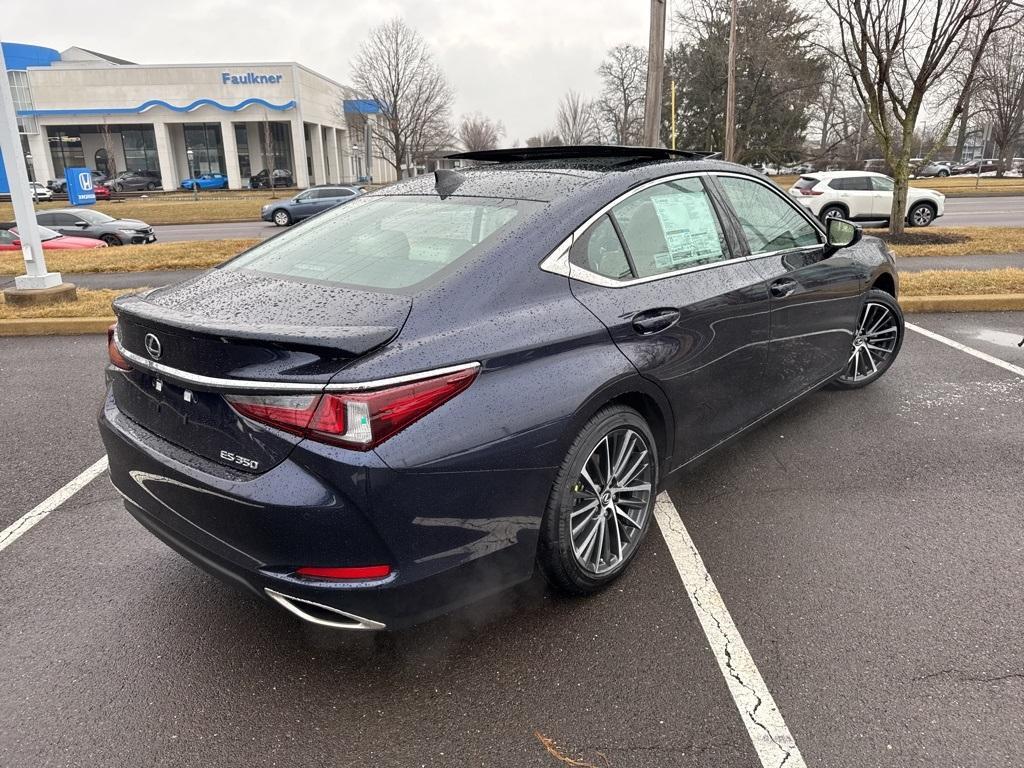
[(868, 546)]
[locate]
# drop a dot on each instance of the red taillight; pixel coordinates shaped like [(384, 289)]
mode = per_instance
[(116, 358), (349, 573), (810, 191), (358, 420)]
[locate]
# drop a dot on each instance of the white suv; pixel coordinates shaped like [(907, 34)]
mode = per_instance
[(863, 196)]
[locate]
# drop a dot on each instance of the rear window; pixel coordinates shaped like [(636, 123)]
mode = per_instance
[(386, 242), (805, 182)]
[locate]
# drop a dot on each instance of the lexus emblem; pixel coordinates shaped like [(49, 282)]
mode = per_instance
[(152, 346)]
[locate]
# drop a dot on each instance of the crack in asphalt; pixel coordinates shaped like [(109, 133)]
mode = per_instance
[(735, 674), (964, 677)]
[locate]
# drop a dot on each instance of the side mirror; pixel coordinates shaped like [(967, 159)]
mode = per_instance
[(841, 234)]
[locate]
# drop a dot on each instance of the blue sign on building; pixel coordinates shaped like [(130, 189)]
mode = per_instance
[(80, 191)]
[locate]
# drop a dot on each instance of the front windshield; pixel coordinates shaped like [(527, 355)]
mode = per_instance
[(95, 217), (387, 241)]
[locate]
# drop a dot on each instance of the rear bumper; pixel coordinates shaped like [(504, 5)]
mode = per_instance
[(449, 537)]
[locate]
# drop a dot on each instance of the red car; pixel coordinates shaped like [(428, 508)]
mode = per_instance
[(102, 191), (51, 240)]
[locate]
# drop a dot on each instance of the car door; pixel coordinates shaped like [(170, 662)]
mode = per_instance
[(661, 271), (856, 194), (815, 301), (66, 224), (882, 187), (304, 204)]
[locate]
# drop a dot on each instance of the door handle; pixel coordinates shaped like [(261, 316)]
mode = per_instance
[(654, 320), (782, 287)]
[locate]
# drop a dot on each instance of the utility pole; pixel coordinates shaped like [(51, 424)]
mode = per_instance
[(655, 74), (36, 277), (729, 150), (672, 132)]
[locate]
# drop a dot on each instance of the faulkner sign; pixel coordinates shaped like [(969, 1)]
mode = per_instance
[(249, 78)]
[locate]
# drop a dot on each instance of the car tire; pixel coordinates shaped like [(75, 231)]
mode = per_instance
[(580, 521), (111, 239), (282, 218), (921, 215), (151, 186), (118, 188), (942, 174), (879, 337), (832, 212)]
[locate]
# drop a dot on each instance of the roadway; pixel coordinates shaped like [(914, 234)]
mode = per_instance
[(867, 545), (960, 212)]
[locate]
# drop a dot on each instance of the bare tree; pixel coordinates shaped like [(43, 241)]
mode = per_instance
[(1001, 92), (621, 105), (395, 68), (577, 120), (896, 51), (546, 138), (478, 132), (109, 149)]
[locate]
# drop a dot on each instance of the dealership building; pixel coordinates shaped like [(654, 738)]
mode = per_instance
[(82, 108)]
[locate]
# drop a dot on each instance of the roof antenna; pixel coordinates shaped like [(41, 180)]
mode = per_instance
[(446, 182)]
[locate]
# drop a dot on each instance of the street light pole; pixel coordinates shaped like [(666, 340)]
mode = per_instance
[(35, 275), (729, 150)]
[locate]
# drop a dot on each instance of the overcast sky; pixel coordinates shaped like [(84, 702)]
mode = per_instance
[(511, 61)]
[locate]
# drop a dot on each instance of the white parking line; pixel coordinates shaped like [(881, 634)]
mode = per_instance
[(772, 740), (969, 350), (23, 524)]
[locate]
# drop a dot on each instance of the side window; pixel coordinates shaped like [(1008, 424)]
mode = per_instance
[(599, 251), (881, 183), (7, 237), (343, 192), (46, 219), (768, 220), (840, 185), (671, 226), (859, 183), (65, 219)]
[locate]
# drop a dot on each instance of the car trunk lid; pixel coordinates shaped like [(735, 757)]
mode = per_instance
[(240, 331)]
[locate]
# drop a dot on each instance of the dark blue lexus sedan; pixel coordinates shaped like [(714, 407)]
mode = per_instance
[(412, 400)]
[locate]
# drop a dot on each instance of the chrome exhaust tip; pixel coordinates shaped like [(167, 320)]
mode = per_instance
[(321, 615)]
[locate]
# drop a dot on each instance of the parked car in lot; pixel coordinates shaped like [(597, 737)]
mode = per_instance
[(102, 191), (206, 181), (131, 181), (940, 168), (863, 196), (52, 241), (40, 191), (308, 203), (985, 165), (60, 186), (83, 222), (282, 178), (409, 401)]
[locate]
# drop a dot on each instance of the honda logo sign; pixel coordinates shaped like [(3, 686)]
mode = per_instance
[(80, 190)]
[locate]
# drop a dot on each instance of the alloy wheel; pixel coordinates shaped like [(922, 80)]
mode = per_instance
[(281, 218), (921, 216), (873, 344), (611, 501)]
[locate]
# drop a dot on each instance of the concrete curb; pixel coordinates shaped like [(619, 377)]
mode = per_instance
[(71, 326), (55, 326), (993, 302)]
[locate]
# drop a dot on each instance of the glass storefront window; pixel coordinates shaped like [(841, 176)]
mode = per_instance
[(204, 149), (139, 143), (242, 145)]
